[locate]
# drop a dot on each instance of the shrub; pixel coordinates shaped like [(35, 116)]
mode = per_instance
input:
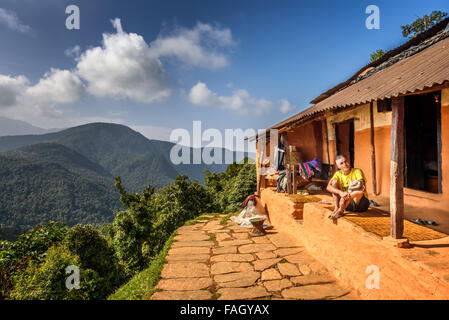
[(46, 281), (15, 256), (95, 254)]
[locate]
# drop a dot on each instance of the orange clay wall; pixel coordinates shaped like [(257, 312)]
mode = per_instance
[(308, 139), (382, 139)]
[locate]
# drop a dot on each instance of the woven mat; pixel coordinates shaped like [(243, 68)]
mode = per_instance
[(378, 222)]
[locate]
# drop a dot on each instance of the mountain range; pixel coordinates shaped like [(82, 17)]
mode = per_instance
[(69, 175), (10, 127)]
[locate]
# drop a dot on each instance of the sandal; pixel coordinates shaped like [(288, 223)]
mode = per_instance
[(418, 221)]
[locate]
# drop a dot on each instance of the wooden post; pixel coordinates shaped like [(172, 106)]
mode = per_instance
[(259, 161), (397, 168), (295, 172), (327, 141), (373, 150), (287, 163)]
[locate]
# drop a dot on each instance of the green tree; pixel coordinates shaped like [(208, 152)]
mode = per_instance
[(423, 24), (133, 228), (95, 253), (377, 55)]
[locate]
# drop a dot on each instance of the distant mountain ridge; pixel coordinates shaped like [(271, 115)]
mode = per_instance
[(69, 175), (11, 127)]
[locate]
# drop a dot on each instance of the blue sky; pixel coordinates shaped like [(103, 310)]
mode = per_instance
[(230, 64)]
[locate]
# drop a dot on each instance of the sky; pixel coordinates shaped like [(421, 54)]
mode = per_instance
[(160, 65)]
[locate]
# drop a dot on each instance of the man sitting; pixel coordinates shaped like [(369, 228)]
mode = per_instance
[(345, 198)]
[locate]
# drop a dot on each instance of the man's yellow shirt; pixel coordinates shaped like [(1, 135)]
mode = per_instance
[(345, 180)]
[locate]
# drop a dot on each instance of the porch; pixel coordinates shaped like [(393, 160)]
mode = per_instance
[(355, 242)]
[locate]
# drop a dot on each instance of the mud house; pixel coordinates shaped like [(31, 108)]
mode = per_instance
[(391, 119)]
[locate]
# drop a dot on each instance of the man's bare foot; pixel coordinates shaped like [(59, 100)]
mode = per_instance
[(337, 214), (333, 213)]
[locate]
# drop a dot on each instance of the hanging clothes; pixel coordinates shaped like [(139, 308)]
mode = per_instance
[(316, 164)]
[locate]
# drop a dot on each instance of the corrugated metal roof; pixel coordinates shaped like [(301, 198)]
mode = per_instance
[(423, 70), (403, 70), (386, 58)]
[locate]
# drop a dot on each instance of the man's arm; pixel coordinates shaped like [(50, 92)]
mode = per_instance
[(332, 189)]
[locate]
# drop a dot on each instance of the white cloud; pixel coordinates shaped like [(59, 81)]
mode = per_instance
[(240, 101), (56, 87), (123, 68), (285, 107), (10, 90), (196, 47), (10, 20), (73, 51)]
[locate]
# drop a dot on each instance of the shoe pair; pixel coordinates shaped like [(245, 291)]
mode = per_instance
[(424, 222)]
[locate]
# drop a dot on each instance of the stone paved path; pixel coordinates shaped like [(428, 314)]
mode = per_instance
[(209, 260)]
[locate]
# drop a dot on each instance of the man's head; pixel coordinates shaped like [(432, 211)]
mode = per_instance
[(343, 163)]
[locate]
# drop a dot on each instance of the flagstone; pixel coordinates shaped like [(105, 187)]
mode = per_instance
[(314, 292), (242, 257), (179, 244), (262, 239), (241, 235), (228, 267), (223, 250), (184, 284), (237, 280), (182, 295), (189, 250), (223, 236), (270, 274), (283, 240), (257, 247), (266, 255), (192, 237), (312, 279), (277, 285), (300, 258), (288, 269), (185, 270), (188, 257), (288, 251), (260, 265), (233, 243), (242, 293), (305, 269)]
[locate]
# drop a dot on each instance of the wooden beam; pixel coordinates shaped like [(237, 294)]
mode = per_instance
[(259, 161), (373, 150), (327, 141), (397, 168), (295, 172), (287, 163)]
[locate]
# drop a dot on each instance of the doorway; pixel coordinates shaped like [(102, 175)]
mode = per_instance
[(344, 134), (422, 126)]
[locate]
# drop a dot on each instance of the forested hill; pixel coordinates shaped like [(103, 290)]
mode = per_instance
[(119, 150), (69, 175)]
